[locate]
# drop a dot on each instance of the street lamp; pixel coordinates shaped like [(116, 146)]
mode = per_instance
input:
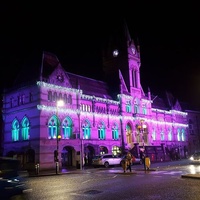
[(59, 103), (142, 128)]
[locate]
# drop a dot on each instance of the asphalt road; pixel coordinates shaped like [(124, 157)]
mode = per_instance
[(163, 181)]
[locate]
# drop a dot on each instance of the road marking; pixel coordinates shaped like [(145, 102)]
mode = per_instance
[(168, 172), (110, 177)]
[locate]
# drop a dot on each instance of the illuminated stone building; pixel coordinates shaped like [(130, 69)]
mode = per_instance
[(97, 117)]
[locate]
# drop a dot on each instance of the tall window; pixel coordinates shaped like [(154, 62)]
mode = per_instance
[(67, 128), (101, 131), (50, 96), (191, 128), (169, 134), (86, 130), (178, 135), (128, 134), (30, 97), (115, 132), (60, 96), (154, 134), (162, 135), (128, 106), (25, 128), (144, 109), (15, 130), (70, 99), (136, 107), (53, 126), (54, 96), (182, 134)]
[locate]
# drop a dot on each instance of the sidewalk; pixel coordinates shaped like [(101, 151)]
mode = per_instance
[(117, 170), (86, 170)]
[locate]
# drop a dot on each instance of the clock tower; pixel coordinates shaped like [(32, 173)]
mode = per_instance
[(122, 54)]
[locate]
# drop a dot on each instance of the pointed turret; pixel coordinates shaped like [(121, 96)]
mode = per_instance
[(121, 53)]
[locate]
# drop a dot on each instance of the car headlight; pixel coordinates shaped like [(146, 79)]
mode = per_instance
[(191, 158)]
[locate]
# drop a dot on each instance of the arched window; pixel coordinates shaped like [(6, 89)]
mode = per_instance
[(191, 127), (136, 106), (162, 135), (101, 131), (50, 96), (116, 150), (115, 132), (182, 134), (103, 150), (86, 130), (60, 96), (128, 134), (54, 96), (25, 128), (144, 109), (169, 134), (128, 106), (70, 99), (178, 135), (53, 127), (30, 97), (15, 130), (154, 134), (67, 128), (65, 98)]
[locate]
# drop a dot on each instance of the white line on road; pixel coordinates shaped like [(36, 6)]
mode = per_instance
[(111, 177)]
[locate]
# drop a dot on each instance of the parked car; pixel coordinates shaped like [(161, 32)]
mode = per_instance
[(135, 160), (106, 160), (195, 158), (12, 180), (12, 188)]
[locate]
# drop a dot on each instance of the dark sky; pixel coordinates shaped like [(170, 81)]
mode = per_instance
[(168, 34)]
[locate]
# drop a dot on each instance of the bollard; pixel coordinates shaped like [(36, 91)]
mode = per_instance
[(57, 167), (147, 163), (37, 167)]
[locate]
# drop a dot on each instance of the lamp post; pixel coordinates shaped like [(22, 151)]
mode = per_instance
[(142, 131), (59, 103)]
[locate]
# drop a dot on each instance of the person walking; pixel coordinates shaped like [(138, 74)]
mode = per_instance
[(129, 161), (124, 164)]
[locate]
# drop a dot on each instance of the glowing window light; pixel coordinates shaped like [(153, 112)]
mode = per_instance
[(71, 111), (169, 112), (48, 85), (124, 96)]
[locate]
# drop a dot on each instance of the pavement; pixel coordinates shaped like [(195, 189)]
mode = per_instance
[(116, 170)]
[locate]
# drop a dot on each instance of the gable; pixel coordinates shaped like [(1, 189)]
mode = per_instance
[(59, 77), (177, 106)]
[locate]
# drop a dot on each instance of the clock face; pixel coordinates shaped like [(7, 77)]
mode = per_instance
[(115, 53), (60, 78)]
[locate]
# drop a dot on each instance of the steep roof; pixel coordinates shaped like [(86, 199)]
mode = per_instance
[(89, 86), (160, 103), (40, 67)]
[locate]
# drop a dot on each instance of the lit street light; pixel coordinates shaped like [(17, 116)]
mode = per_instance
[(142, 129), (59, 103)]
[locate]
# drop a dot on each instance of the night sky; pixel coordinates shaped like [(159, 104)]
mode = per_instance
[(168, 34)]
